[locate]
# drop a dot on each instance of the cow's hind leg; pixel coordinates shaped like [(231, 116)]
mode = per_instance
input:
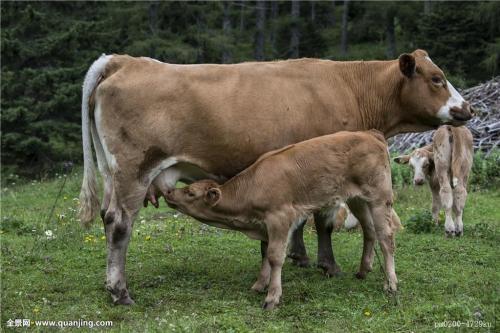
[(118, 222), (326, 259), (297, 250), (361, 211), (459, 197)]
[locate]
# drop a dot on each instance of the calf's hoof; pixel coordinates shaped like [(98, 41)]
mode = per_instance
[(450, 233), (258, 287), (390, 288), (360, 275), (299, 260), (268, 306)]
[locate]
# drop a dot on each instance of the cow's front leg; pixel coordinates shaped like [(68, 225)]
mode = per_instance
[(276, 252), (297, 250), (326, 260)]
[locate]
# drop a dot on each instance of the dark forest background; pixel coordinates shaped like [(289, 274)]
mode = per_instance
[(46, 48)]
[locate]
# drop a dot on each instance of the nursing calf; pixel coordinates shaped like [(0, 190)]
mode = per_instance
[(268, 200), (445, 164)]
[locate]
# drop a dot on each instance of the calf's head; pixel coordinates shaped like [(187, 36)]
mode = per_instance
[(427, 97), (422, 162), (196, 200)]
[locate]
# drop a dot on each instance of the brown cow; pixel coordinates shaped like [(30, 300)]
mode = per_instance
[(445, 164), (156, 122), (267, 200)]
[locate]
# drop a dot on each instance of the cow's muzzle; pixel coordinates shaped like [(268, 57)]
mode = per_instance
[(463, 113)]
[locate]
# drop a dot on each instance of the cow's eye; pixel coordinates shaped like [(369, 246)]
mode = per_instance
[(190, 194), (437, 80)]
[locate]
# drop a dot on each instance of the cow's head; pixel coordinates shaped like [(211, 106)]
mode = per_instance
[(426, 96), (196, 199), (422, 162)]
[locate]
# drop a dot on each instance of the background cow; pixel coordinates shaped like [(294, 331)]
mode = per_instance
[(157, 123), (445, 164)]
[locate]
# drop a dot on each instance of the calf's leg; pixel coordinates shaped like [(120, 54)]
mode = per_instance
[(297, 251), (362, 212), (381, 215), (459, 197), (276, 252), (265, 270), (447, 202), (436, 206), (326, 259)]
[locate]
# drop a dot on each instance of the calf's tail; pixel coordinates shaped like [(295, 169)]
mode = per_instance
[(89, 202)]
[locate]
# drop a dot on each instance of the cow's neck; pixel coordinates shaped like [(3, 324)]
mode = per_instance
[(377, 86), (234, 192)]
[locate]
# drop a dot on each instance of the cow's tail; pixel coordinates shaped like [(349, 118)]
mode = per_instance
[(454, 154), (89, 202)]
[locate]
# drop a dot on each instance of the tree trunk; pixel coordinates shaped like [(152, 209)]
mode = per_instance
[(391, 38), (427, 7), (331, 14), (274, 16), (343, 41), (153, 25), (295, 39), (226, 29), (260, 23), (242, 16), (313, 11), (153, 17)]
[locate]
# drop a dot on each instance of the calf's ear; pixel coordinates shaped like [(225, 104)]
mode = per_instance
[(403, 159), (212, 196), (407, 64)]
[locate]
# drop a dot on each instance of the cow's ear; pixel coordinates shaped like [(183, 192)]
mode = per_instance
[(407, 64), (403, 159), (212, 196)]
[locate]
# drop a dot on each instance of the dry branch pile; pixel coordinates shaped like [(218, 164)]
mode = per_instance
[(485, 126)]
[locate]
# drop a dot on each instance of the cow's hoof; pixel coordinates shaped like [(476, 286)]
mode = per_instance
[(124, 301), (360, 275), (268, 306), (299, 261), (459, 233), (330, 270), (450, 234)]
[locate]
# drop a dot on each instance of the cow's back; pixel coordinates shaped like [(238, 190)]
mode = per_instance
[(221, 117)]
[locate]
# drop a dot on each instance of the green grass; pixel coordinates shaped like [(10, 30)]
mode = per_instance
[(187, 277)]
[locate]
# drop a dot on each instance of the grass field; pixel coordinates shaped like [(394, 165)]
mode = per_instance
[(187, 277)]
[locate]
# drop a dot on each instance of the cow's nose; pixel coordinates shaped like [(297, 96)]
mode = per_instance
[(463, 113), (419, 181)]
